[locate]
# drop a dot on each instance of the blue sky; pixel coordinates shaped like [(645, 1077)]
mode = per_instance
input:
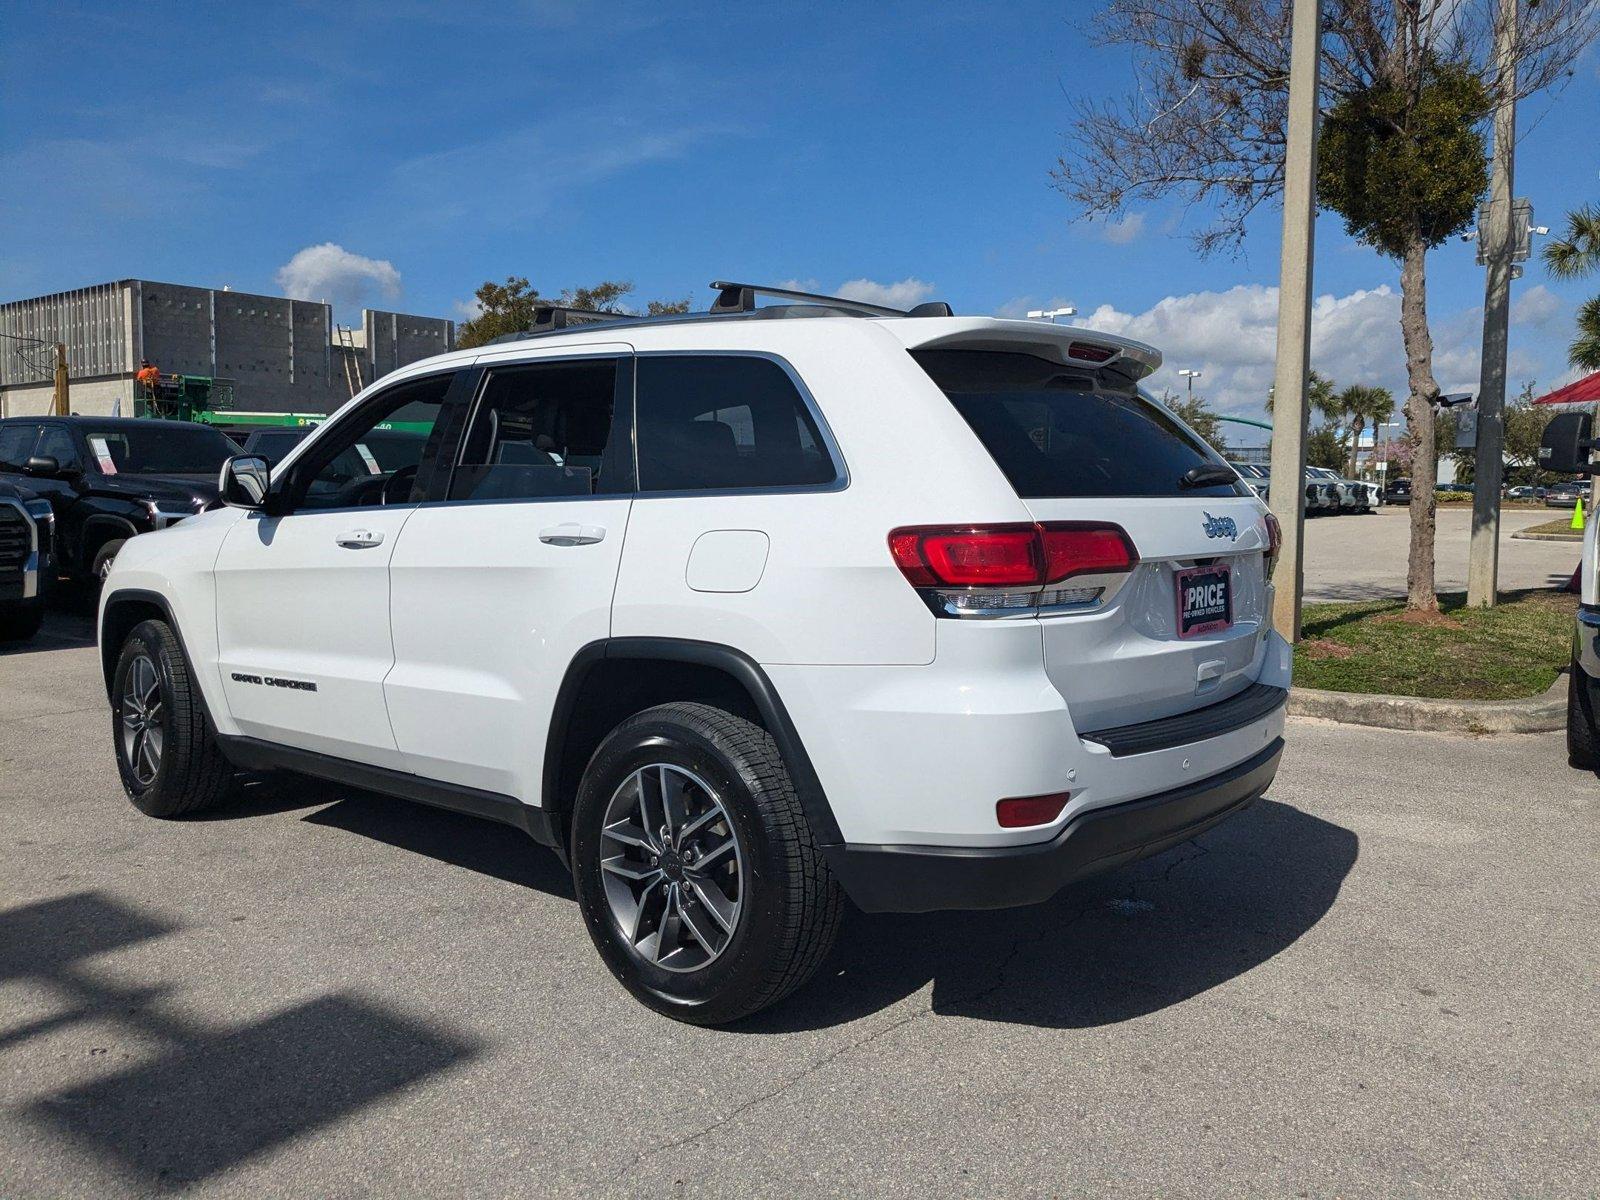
[(440, 145)]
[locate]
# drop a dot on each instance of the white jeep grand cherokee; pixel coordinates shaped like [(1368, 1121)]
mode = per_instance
[(741, 613)]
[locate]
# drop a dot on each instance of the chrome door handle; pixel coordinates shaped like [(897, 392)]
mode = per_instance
[(360, 539), (572, 534)]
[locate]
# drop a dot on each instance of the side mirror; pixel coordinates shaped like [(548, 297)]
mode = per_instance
[(244, 480), (43, 466), (1566, 444)]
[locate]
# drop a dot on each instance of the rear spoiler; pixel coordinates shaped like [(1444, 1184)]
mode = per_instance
[(1086, 349)]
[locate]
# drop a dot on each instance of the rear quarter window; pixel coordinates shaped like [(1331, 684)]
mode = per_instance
[(725, 422), (1054, 435)]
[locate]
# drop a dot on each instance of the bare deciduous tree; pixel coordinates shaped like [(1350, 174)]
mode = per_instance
[(1406, 86)]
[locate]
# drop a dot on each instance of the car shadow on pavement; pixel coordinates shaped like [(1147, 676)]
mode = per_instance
[(487, 847), (210, 1095), (1110, 949)]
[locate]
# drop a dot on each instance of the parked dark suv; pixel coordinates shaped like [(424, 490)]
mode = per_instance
[(26, 525), (1397, 492), (108, 478)]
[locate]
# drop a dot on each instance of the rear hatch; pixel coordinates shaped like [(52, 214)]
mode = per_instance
[(1184, 627)]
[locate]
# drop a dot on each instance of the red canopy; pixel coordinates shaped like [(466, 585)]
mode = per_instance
[(1584, 391)]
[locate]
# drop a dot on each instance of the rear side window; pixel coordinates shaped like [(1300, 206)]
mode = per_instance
[(545, 430), (1054, 436), (725, 422)]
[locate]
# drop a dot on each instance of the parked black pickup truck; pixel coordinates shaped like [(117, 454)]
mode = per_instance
[(109, 478), (26, 563)]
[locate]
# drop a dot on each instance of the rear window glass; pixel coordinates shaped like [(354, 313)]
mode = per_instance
[(1053, 436)]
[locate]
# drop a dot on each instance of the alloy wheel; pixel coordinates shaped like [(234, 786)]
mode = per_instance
[(672, 867), (143, 732)]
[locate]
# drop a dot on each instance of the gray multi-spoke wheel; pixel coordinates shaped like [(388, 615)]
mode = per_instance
[(166, 755), (672, 868), (698, 877), (142, 720)]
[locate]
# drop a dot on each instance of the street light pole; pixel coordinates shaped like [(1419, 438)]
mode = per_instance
[(1294, 315), (1499, 241), (1191, 376)]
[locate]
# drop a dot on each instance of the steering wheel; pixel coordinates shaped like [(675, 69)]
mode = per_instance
[(397, 488)]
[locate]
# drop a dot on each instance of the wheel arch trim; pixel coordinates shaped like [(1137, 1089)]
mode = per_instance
[(744, 671)]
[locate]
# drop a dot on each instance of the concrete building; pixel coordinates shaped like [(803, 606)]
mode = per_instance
[(280, 355)]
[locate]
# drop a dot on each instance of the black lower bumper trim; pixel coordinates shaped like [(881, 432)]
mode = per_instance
[(929, 878), (1249, 706)]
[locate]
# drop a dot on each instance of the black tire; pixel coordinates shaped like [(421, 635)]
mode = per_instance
[(790, 903), (20, 621), (103, 558), (191, 774), (1583, 746)]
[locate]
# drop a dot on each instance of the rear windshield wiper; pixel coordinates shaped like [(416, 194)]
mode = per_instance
[(1207, 475)]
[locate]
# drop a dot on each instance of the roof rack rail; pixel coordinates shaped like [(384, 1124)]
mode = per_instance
[(741, 298), (548, 318)]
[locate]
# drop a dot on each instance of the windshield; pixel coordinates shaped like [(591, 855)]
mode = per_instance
[(1054, 435), (158, 448), (274, 445)]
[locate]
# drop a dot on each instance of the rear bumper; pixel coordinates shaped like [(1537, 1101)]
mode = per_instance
[(929, 878)]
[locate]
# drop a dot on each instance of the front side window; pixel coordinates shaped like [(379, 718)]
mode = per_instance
[(725, 422), (16, 442), (347, 469), (543, 430)]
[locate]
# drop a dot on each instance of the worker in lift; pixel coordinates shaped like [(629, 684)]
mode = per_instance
[(148, 377)]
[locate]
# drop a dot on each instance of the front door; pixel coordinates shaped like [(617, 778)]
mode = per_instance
[(500, 583), (303, 598)]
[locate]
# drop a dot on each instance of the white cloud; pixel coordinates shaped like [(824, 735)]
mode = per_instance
[(907, 293), (1536, 306), (330, 272), (468, 310), (1120, 233), (1231, 338)]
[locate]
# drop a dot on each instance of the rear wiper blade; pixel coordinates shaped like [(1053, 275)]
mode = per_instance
[(1207, 475)]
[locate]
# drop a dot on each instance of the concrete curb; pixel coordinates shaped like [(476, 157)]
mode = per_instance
[(1535, 714), (1575, 536)]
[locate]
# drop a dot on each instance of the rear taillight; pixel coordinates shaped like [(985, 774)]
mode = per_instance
[(1010, 570), (1274, 542)]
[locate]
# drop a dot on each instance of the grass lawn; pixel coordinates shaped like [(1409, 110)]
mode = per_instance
[(1560, 525), (1500, 653)]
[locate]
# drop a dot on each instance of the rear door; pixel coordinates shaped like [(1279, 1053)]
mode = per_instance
[(509, 572), (1186, 627)]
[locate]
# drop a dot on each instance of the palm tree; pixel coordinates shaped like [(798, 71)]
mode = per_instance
[(1364, 405), (1575, 254), (1584, 353)]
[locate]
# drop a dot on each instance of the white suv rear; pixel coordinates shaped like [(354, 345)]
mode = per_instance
[(741, 613)]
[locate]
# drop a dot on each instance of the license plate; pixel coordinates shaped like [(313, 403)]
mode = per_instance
[(1205, 600)]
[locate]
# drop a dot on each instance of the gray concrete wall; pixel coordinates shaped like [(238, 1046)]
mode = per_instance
[(90, 398), (396, 339), (279, 353)]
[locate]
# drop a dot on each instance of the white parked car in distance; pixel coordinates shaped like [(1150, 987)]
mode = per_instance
[(741, 613)]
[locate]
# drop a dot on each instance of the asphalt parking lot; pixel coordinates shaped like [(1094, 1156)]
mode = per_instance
[(1361, 557), (1380, 980)]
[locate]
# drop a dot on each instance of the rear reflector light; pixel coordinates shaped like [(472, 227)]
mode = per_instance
[(1089, 352), (1030, 810), (1274, 542)]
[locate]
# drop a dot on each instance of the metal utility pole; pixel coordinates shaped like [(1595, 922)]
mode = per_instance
[(1498, 239), (1294, 315), (1191, 376)]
